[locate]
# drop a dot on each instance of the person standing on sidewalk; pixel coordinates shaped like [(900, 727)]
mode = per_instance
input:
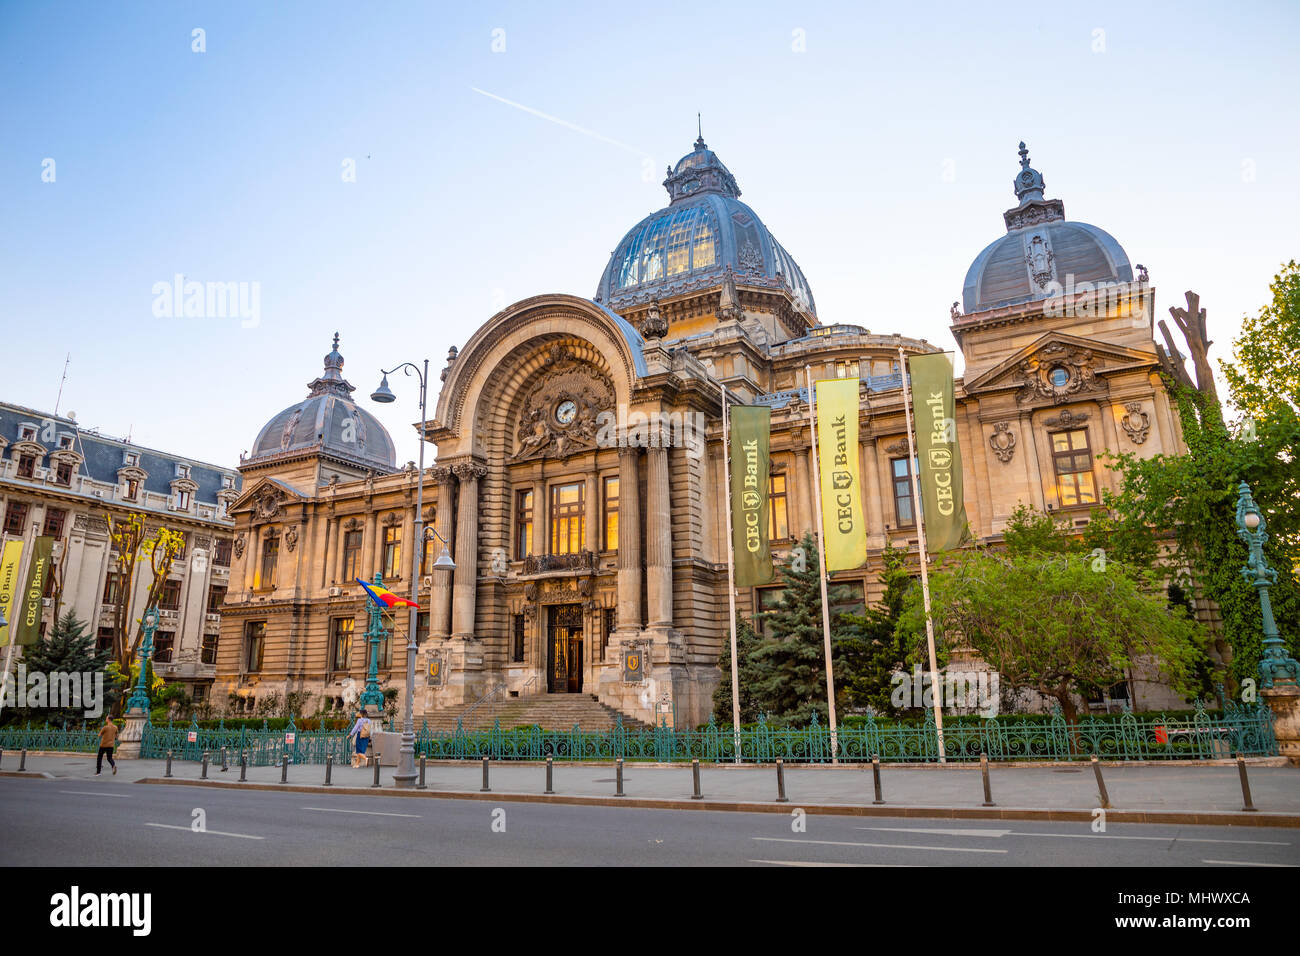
[(107, 740), (361, 731)]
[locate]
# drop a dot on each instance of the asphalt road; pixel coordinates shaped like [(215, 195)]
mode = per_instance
[(78, 822)]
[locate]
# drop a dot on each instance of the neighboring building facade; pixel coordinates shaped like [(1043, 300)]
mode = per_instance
[(580, 548), (60, 480)]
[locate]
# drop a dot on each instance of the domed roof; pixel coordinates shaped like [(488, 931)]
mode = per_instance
[(1041, 253), (689, 244), (329, 422)]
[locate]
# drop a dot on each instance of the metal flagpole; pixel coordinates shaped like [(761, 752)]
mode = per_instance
[(731, 571), (821, 566), (935, 686)]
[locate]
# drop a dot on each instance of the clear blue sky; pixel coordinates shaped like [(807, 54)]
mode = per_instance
[(1179, 138)]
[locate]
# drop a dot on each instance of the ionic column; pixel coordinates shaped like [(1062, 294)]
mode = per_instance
[(803, 492), (659, 539), (440, 594), (541, 520), (465, 582), (875, 504), (629, 541)]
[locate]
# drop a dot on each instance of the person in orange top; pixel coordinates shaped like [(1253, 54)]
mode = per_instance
[(107, 739)]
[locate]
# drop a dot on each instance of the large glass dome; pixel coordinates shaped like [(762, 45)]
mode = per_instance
[(690, 243)]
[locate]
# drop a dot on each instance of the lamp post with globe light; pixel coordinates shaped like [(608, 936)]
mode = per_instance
[(1276, 666), (405, 776)]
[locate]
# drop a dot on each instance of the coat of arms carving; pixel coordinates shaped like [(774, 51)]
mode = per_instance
[(1057, 372)]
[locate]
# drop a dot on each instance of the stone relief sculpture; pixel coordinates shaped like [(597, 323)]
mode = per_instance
[(1136, 423), (561, 413), (1003, 442)]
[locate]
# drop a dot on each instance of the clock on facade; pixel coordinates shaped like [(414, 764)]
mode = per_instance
[(565, 412)]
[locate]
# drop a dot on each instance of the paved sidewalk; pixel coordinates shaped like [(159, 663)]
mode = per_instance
[(1178, 789)]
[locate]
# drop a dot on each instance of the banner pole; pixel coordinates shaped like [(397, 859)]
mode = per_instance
[(821, 567), (731, 574), (935, 686), (4, 680)]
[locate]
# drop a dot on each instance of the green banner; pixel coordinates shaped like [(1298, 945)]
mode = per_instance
[(934, 409), (750, 466), (27, 625)]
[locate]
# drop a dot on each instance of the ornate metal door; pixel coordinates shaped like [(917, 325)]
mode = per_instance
[(564, 673)]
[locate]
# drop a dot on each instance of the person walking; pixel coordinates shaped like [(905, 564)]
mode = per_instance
[(107, 740), (361, 730)]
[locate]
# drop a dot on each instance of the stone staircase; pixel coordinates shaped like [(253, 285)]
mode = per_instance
[(548, 711)]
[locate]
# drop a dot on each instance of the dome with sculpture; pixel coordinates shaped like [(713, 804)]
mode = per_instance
[(328, 422), (1042, 253), (702, 234)]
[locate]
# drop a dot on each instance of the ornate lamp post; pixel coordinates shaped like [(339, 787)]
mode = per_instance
[(138, 702), (1276, 666), (372, 696), (405, 776)]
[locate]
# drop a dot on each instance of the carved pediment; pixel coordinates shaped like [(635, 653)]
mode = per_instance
[(264, 500), (560, 412), (1057, 368)]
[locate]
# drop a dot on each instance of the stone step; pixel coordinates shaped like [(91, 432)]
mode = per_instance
[(549, 711)]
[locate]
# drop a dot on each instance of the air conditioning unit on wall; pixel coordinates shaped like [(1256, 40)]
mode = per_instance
[(336, 592)]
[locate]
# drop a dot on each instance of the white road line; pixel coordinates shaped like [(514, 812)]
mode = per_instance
[(813, 863), (882, 846), (369, 813), (1075, 836), (172, 826), (1245, 863), (98, 793)]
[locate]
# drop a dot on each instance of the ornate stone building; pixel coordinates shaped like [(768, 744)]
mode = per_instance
[(579, 474), (61, 480)]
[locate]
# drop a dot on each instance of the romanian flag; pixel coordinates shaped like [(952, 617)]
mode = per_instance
[(384, 597)]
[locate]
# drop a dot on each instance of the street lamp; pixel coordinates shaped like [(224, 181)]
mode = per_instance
[(1276, 665), (138, 702), (405, 776)]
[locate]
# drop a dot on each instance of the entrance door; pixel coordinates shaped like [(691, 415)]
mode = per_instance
[(564, 670)]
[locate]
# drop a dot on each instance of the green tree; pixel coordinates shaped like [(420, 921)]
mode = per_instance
[(746, 641), (869, 649), (67, 649)]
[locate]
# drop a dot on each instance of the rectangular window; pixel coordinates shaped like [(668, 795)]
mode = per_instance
[(568, 517), (182, 501), (351, 555), (523, 524), (63, 473), (169, 599), (216, 595), (54, 521), (209, 651), (1072, 460), (112, 587), (778, 515), (132, 489), (254, 646), (26, 466), (163, 642), (517, 645), (421, 628), (610, 624), (392, 553), (104, 639), (341, 643), (27, 433), (265, 578), (132, 459), (846, 369), (611, 514), (765, 599), (15, 517), (221, 552), (847, 597), (902, 480), (65, 441)]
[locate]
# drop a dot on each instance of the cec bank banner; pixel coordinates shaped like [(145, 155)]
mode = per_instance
[(750, 466), (26, 624), (13, 552), (933, 405), (841, 473)]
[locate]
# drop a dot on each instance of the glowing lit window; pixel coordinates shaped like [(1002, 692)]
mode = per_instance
[(679, 241), (1072, 459)]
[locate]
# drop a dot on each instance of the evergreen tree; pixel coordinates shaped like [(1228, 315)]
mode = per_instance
[(66, 649), (869, 650), (746, 642)]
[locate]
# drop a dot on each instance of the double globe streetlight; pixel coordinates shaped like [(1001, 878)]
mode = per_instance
[(405, 776)]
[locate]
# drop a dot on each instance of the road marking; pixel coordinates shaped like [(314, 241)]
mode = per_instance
[(98, 793), (882, 846), (172, 826), (369, 813), (1075, 836), (1245, 863), (814, 863)]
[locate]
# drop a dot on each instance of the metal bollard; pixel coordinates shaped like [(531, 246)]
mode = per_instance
[(618, 777), (695, 774), (875, 777), (204, 774), (22, 760), (1101, 784), (225, 764), (1248, 805), (485, 788), (420, 785), (984, 772), (550, 775), (284, 768), (169, 764), (375, 760), (329, 769), (243, 768), (2, 754), (780, 782)]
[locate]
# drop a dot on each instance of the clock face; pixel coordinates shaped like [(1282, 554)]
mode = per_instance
[(565, 412)]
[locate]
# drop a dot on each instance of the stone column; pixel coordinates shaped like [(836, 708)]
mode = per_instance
[(659, 539), (541, 519), (465, 584), (1028, 446), (803, 475), (331, 546), (875, 502), (629, 542), (440, 595), (592, 537)]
